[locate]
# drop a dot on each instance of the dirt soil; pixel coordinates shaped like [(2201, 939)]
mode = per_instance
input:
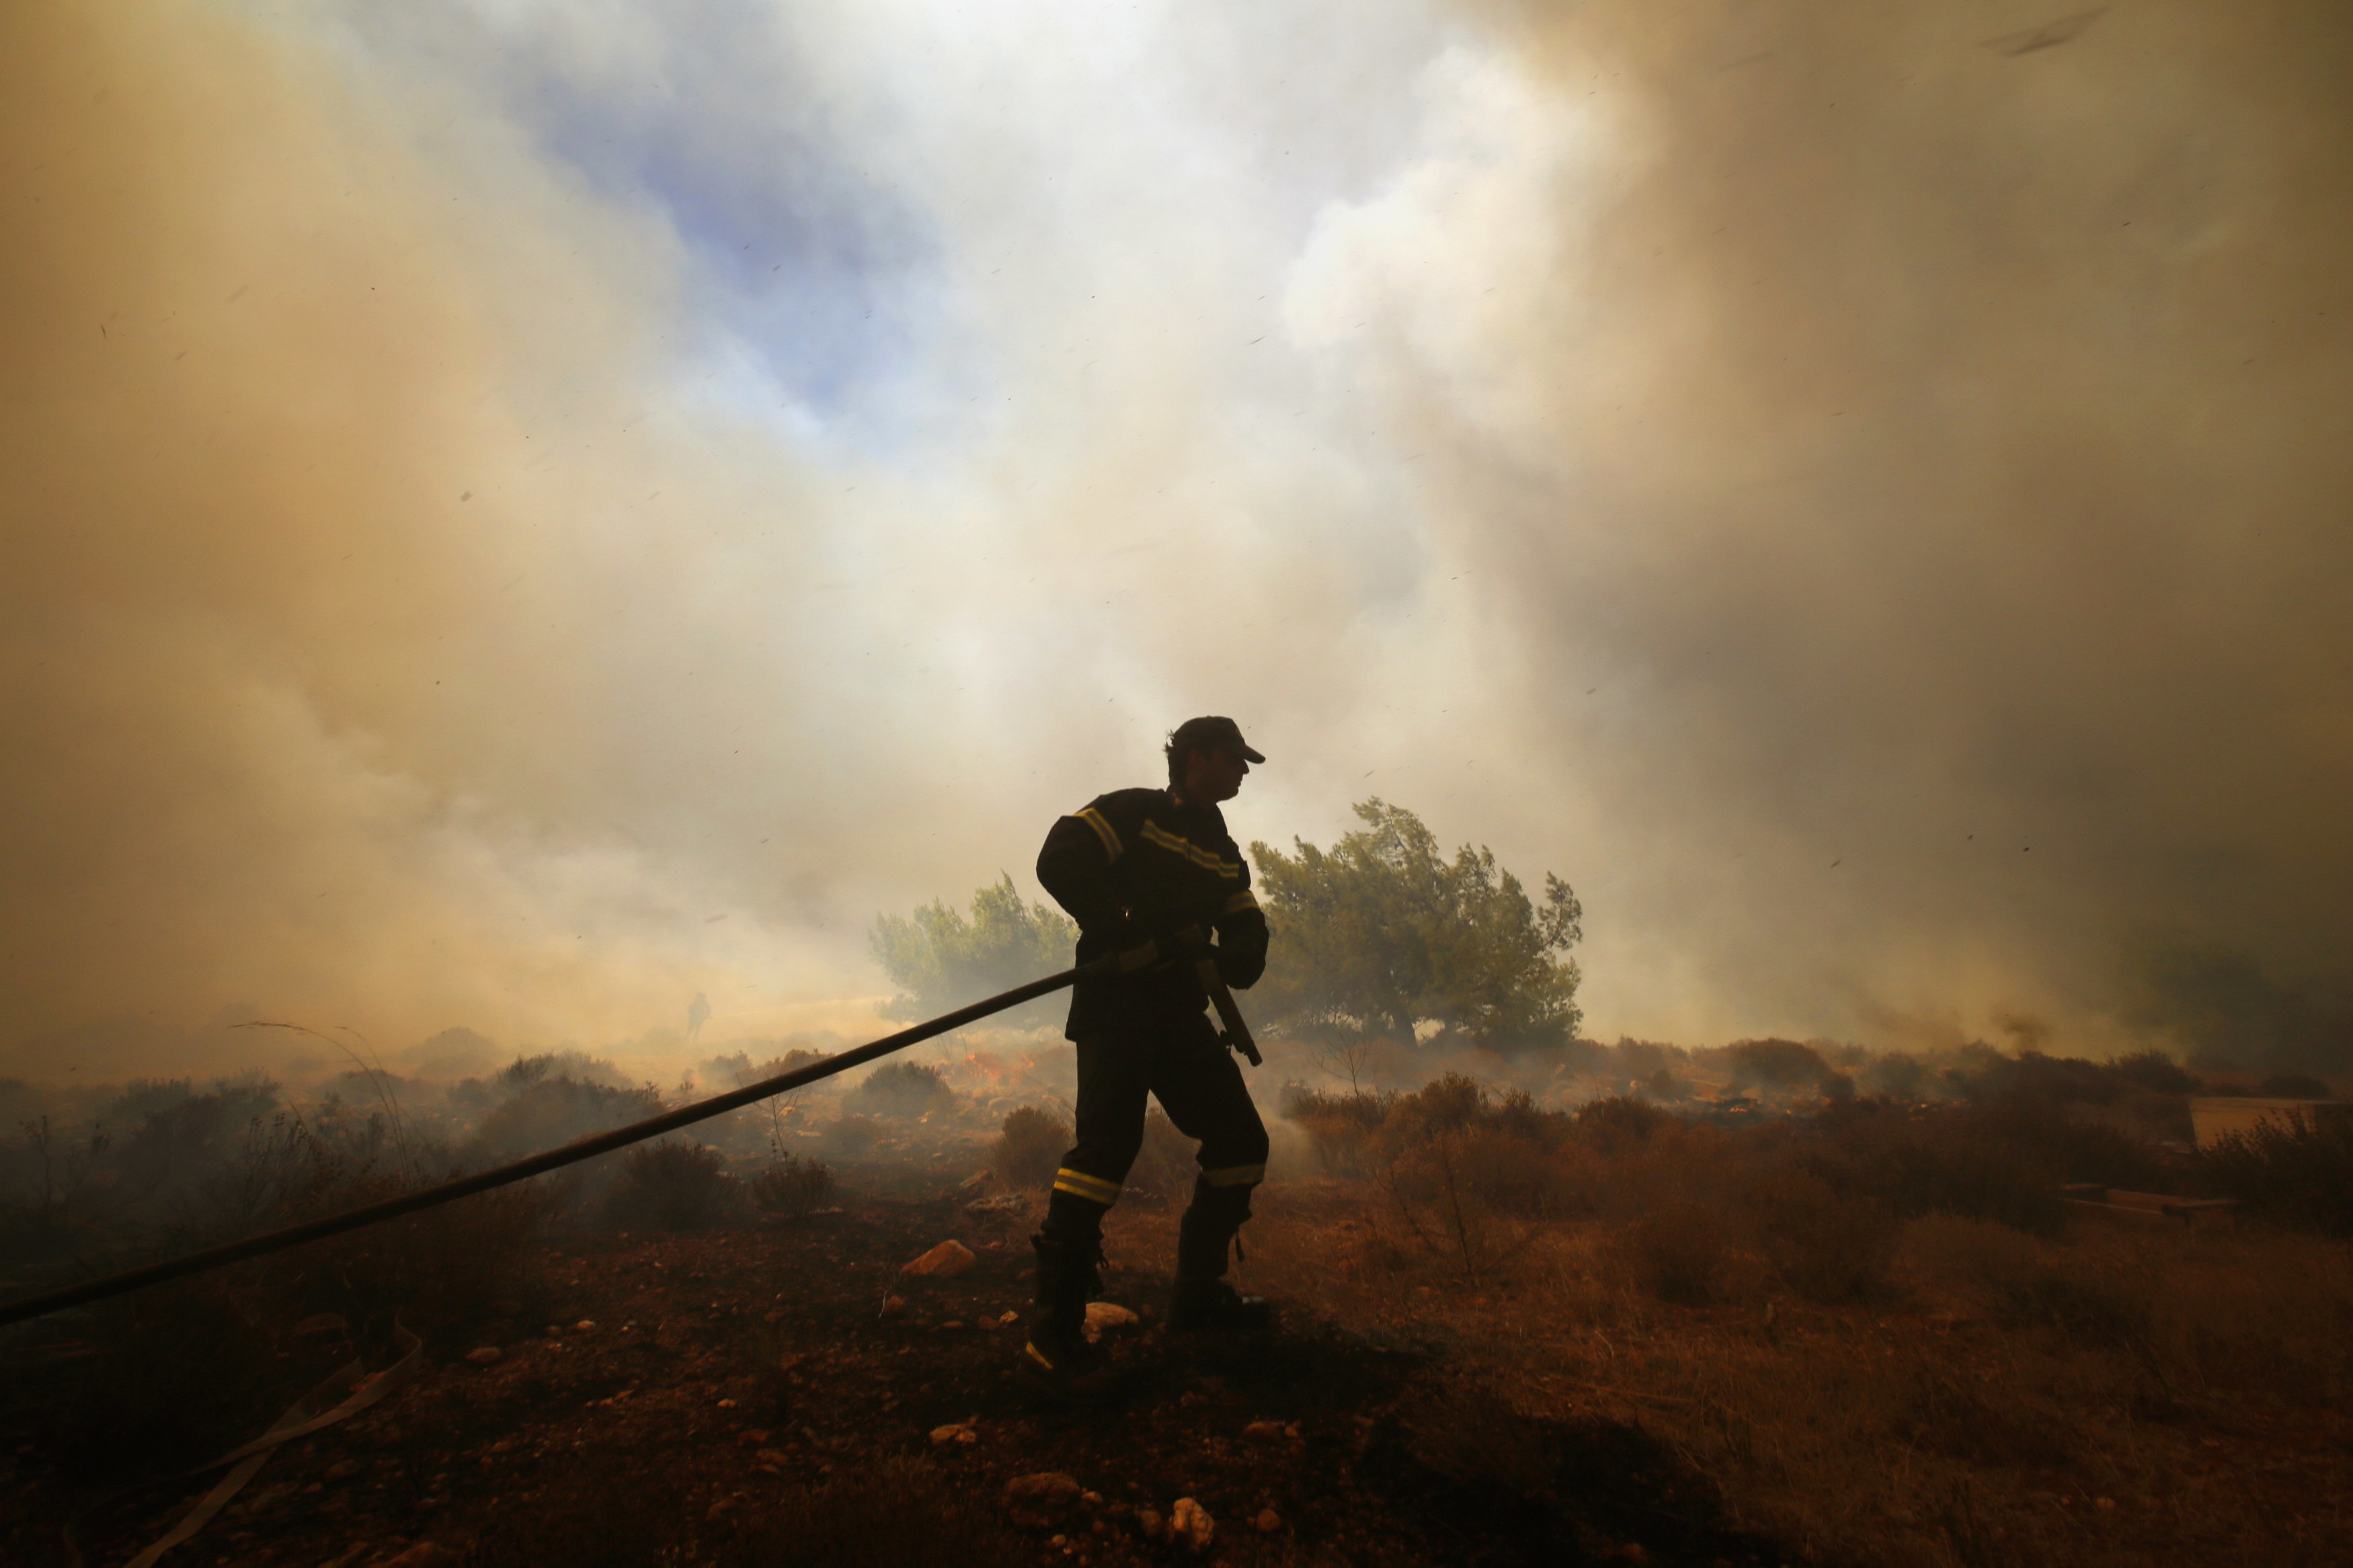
[(710, 1377)]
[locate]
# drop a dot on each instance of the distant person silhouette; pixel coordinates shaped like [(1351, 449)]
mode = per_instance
[(698, 1013)]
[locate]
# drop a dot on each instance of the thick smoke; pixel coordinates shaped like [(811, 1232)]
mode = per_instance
[(520, 515), (1915, 471), (311, 650)]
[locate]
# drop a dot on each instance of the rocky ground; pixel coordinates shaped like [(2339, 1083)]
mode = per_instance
[(789, 1393)]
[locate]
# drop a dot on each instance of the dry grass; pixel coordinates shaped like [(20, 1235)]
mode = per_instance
[(1881, 1334), (1973, 1405), (2299, 1175)]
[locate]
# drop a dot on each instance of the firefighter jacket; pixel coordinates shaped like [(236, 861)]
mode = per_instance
[(1138, 864)]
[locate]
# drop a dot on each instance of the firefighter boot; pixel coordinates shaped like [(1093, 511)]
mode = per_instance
[(1058, 1350), (1203, 1300)]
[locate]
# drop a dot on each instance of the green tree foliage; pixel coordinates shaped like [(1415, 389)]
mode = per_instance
[(939, 959), (1382, 932)]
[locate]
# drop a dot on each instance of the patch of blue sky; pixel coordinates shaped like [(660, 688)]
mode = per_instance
[(711, 120), (793, 257)]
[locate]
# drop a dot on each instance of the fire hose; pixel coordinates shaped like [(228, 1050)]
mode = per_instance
[(1236, 1035)]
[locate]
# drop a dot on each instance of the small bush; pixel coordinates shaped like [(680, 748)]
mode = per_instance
[(1783, 1065), (1962, 1161), (1826, 1248), (1029, 1147), (2297, 1174), (1980, 1420), (2103, 1307), (1676, 1252), (443, 1265), (850, 1136), (903, 1088), (672, 1185), (2157, 1071), (1981, 1260), (544, 1113), (1467, 1175), (1615, 1124), (1340, 1127), (1896, 1076), (791, 1187), (1445, 1104), (1664, 1085)]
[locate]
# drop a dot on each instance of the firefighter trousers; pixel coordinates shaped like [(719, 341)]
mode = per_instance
[(1175, 1056)]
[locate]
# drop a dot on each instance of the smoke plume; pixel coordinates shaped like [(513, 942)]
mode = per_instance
[(521, 515)]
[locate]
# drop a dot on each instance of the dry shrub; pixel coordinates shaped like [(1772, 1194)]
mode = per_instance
[(2298, 1174), (903, 1089), (444, 1265), (1996, 1165), (2103, 1303), (2217, 1316), (791, 1187), (672, 1184), (1981, 1261), (1677, 1162), (1469, 1177), (897, 1513), (2100, 1293), (850, 1136), (1676, 1252), (1434, 1185), (1619, 1122), (1578, 1182), (1970, 1416), (1826, 1248), (2254, 1313), (1340, 1127), (549, 1111), (1029, 1147)]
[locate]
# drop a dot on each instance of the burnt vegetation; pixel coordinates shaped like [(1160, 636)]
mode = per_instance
[(1535, 1310), (1544, 1298)]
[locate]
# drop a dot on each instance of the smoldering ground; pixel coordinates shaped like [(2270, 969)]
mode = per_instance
[(1853, 495)]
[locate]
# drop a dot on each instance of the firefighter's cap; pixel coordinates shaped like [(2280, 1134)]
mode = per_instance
[(1194, 734)]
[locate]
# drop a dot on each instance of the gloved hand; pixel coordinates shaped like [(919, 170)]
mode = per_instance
[(1188, 945), (1134, 944)]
